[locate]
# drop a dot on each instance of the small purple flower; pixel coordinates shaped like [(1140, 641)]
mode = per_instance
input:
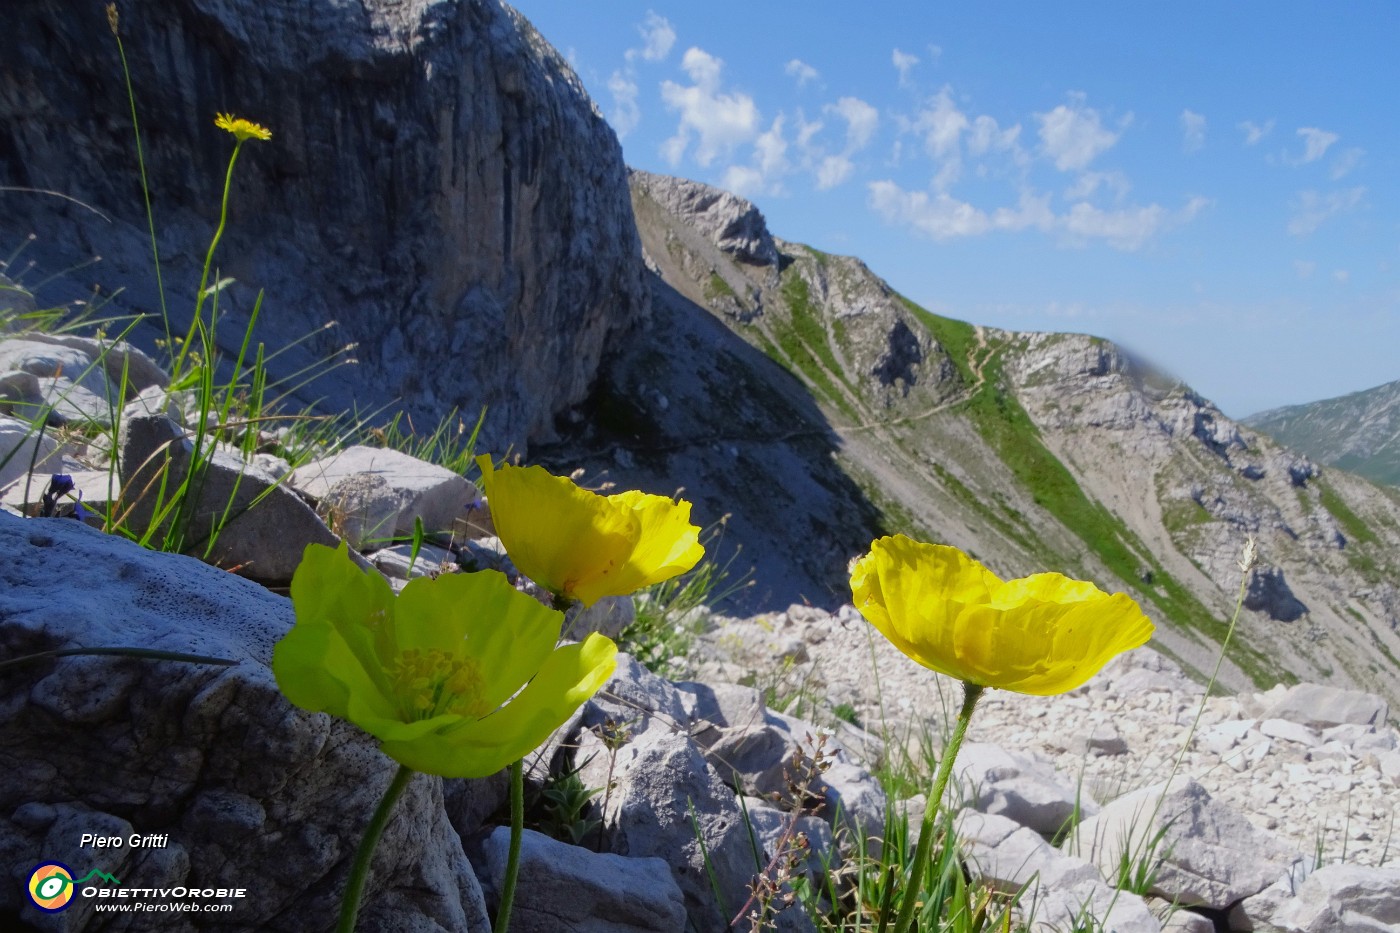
[(81, 512), (60, 484)]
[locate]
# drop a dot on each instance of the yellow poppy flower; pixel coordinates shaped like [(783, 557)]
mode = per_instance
[(240, 128), (1041, 634), (457, 676), (584, 546)]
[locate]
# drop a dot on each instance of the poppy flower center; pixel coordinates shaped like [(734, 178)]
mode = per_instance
[(431, 683)]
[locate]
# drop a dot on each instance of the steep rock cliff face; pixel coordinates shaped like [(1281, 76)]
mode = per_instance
[(438, 183)]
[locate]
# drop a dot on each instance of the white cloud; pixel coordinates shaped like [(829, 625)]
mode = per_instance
[(1315, 144), (1304, 267), (743, 180), (1313, 208), (1346, 162), (1088, 183), (1341, 276), (941, 124), (1031, 211), (720, 120), (767, 167), (941, 216), (625, 113), (944, 217), (904, 63), (1073, 136), (861, 121), (806, 130), (770, 150), (1253, 132), (1128, 229), (1193, 130), (658, 36), (803, 72), (833, 170), (987, 136), (1125, 229)]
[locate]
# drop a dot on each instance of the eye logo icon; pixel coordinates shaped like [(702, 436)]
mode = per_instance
[(51, 886)]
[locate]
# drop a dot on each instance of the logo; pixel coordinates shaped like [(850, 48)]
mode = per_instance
[(51, 885)]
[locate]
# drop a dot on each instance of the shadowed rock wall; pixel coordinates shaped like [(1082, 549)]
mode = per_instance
[(438, 183)]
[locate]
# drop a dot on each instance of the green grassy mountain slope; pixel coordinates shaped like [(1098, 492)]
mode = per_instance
[(1359, 432), (796, 391)]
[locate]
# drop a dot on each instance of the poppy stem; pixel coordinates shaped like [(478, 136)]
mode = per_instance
[(971, 694), (517, 829), (359, 871)]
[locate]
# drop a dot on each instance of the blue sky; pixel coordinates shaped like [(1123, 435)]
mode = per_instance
[(1213, 185)]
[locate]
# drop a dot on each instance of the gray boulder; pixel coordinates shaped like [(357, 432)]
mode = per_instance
[(568, 889), (1317, 706), (1020, 787), (1206, 853), (1057, 891), (666, 802), (23, 448), (373, 494), (1340, 898), (71, 378), (247, 790), (259, 527)]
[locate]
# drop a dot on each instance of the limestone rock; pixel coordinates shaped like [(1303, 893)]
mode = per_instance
[(1320, 707), (399, 562), (251, 791), (1010, 784), (609, 616), (661, 785), (374, 494), (730, 222), (438, 183), (568, 889), (1342, 898), (262, 527), (69, 378), (1058, 889), (1210, 855), (22, 449)]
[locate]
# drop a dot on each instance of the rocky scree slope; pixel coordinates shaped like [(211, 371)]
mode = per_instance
[(438, 182), (1359, 432), (832, 408)]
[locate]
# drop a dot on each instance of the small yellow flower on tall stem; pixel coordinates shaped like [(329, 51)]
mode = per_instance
[(582, 546), (1043, 634), (458, 676), (242, 129)]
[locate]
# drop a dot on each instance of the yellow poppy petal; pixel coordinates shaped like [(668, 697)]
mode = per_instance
[(1041, 634), (579, 544)]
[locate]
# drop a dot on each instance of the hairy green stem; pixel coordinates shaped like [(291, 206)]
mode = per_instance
[(178, 369), (971, 694), (517, 830), (359, 872)]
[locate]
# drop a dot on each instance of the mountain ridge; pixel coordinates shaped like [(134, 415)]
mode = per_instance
[(1359, 431), (825, 408)]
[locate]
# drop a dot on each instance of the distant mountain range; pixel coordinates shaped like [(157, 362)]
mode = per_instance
[(1359, 432)]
